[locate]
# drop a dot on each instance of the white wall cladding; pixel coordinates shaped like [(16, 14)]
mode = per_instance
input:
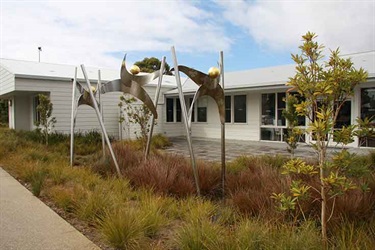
[(61, 97), (7, 81)]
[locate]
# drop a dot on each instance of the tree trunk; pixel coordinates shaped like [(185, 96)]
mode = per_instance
[(322, 158)]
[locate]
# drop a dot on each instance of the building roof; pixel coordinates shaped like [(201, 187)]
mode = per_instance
[(275, 76), (50, 71), (247, 79)]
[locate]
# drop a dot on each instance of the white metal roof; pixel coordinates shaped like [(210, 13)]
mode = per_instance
[(254, 78), (40, 70), (276, 76)]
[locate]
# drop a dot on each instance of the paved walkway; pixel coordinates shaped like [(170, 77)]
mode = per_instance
[(27, 223), (209, 149)]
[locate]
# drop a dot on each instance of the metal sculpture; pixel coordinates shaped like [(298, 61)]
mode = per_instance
[(185, 117), (87, 97), (148, 145), (209, 85), (131, 83)]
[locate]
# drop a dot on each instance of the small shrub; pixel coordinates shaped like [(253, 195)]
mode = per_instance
[(63, 197), (160, 141), (37, 181), (123, 229), (200, 235), (94, 206)]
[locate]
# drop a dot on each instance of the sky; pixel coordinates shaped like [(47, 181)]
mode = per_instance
[(251, 34)]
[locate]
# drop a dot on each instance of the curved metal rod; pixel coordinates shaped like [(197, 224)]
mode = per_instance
[(148, 145), (72, 121), (183, 109), (101, 121)]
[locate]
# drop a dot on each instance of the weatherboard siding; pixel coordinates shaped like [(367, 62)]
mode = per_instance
[(7, 81), (60, 93)]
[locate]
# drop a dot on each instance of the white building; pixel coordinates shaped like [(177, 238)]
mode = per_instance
[(253, 100)]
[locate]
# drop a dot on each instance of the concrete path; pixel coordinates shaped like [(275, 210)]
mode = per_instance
[(210, 149), (27, 223)]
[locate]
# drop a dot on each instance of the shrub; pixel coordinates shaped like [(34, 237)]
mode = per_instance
[(123, 229)]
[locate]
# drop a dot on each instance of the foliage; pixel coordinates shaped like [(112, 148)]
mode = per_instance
[(45, 122), (138, 115), (324, 89), (130, 216), (151, 64), (365, 131), (293, 132), (3, 112)]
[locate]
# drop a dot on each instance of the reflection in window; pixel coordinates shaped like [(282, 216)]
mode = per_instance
[(169, 109), (240, 108), (280, 108), (368, 111), (202, 109), (345, 115), (271, 134), (228, 109), (178, 110), (268, 109)]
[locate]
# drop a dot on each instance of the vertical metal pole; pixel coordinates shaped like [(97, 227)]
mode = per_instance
[(100, 120), (72, 121), (183, 109), (101, 109), (223, 167), (148, 146)]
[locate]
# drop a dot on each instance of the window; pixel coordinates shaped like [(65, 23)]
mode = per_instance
[(178, 110), (368, 111), (272, 109), (273, 123), (268, 109), (170, 109), (202, 109), (228, 108), (36, 113), (240, 108)]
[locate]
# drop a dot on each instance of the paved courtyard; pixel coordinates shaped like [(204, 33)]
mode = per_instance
[(209, 149)]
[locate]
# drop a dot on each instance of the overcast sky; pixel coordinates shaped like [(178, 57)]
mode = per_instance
[(252, 34)]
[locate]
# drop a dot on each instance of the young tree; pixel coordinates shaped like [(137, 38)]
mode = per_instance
[(324, 88), (138, 115), (45, 122)]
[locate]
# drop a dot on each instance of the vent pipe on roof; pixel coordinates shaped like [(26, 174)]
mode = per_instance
[(39, 50)]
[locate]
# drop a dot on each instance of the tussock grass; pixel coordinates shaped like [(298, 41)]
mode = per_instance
[(123, 229), (155, 207)]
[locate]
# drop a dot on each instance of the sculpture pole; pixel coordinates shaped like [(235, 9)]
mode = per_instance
[(148, 146), (100, 120), (72, 119), (101, 108), (223, 167), (183, 109)]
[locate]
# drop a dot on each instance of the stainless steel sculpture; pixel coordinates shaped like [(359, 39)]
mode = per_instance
[(185, 117), (132, 83), (87, 97), (209, 85), (148, 145)]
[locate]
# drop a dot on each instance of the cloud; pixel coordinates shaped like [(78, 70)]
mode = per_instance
[(91, 32), (279, 25)]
